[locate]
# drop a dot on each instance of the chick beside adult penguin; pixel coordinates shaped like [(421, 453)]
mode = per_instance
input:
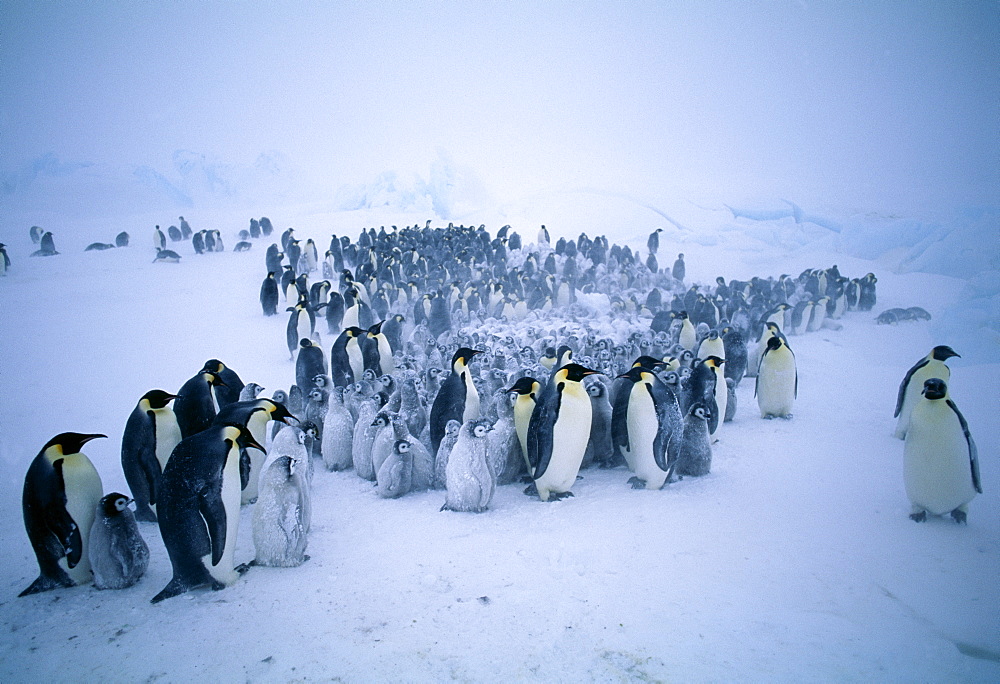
[(470, 480), (282, 514), (118, 554)]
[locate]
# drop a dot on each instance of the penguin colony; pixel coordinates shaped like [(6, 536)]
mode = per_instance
[(459, 362)]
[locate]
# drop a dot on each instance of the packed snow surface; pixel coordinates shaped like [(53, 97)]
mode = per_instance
[(793, 560)]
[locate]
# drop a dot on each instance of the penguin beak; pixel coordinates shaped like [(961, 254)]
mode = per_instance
[(281, 413), (86, 438), (248, 441)]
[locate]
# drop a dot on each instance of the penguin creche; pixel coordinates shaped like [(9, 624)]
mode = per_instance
[(118, 554), (61, 492)]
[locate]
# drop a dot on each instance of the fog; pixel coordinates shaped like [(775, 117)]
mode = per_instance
[(889, 107)]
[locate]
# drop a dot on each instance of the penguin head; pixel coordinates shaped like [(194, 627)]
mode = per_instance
[(213, 366), (305, 343), (158, 399), (278, 411), (70, 442), (452, 428), (943, 352), (773, 342), (634, 373), (596, 389), (113, 504), (574, 372), (462, 357), (700, 412), (524, 386), (935, 388), (279, 396), (401, 446), (716, 362), (479, 428), (241, 436), (647, 362), (355, 331)]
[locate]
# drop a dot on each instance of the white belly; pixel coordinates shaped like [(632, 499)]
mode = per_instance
[(168, 434), (642, 428), (83, 492), (356, 360), (522, 416), (722, 395), (776, 385), (471, 401), (224, 571), (302, 326), (258, 428), (569, 442), (936, 468)]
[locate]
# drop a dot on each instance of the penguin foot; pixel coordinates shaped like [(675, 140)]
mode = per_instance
[(145, 514), (959, 517), (918, 517), (527, 479), (557, 496), (531, 490), (243, 567), (47, 584), (174, 588), (636, 482)]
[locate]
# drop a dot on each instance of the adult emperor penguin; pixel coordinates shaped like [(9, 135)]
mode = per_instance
[(940, 460), (646, 424), (118, 554), (61, 492), (679, 270), (196, 403), (151, 433), (470, 480), (559, 431), (457, 399), (346, 358), (300, 326), (910, 389), (199, 511), (777, 380), (159, 239), (526, 389), (269, 295), (254, 415), (688, 338), (380, 354), (310, 362)]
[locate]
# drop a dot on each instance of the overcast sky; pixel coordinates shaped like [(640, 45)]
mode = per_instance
[(858, 102)]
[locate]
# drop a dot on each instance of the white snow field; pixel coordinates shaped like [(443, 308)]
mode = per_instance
[(794, 560)]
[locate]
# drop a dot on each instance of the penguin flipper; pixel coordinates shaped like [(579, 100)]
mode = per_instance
[(619, 420), (541, 424), (244, 468), (973, 450), (905, 383), (58, 519), (214, 512)]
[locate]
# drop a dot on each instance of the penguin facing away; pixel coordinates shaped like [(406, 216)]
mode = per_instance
[(199, 511), (151, 433), (912, 387), (940, 459), (61, 492), (118, 554), (196, 403), (559, 431)]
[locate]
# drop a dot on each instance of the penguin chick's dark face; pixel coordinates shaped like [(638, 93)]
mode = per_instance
[(158, 398), (113, 504), (402, 446), (935, 388)]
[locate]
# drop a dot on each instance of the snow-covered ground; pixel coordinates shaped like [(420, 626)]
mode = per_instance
[(794, 560)]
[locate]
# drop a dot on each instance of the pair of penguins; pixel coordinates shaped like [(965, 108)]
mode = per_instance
[(77, 534), (940, 458)]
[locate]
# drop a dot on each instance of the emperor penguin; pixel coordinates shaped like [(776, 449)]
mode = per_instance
[(61, 492), (282, 515), (395, 475), (196, 403), (457, 399), (721, 390), (912, 386), (338, 433), (300, 326), (118, 554), (381, 351), (526, 391), (688, 337), (777, 380), (199, 512), (679, 270), (310, 362), (347, 362), (269, 295), (940, 459), (151, 433), (254, 415), (646, 425), (770, 329), (559, 431), (364, 436), (159, 239), (694, 455), (599, 448), (470, 480), (444, 451), (504, 448), (4, 260), (712, 345)]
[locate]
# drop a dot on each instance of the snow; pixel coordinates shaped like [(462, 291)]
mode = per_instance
[(794, 559)]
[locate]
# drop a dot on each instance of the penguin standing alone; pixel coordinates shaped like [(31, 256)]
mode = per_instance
[(777, 380), (61, 492), (269, 295), (940, 459), (118, 554)]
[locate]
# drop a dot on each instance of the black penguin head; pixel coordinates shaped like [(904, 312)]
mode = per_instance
[(114, 504), (935, 388), (773, 343), (305, 342), (524, 386), (463, 354), (647, 362), (244, 439), (355, 331), (575, 372), (279, 412), (71, 442), (943, 352), (158, 398), (213, 366), (716, 362)]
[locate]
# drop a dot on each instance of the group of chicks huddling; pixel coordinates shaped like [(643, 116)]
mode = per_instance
[(461, 363)]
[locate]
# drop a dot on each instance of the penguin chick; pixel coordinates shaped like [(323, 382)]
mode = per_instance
[(118, 554), (395, 477), (282, 514), (444, 451), (695, 454), (470, 480)]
